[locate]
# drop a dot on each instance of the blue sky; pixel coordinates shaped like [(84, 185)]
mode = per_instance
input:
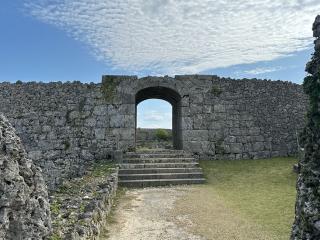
[(60, 40)]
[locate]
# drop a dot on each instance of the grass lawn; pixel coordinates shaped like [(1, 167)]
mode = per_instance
[(246, 199)]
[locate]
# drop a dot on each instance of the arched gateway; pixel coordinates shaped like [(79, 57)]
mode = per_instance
[(174, 99), (214, 117)]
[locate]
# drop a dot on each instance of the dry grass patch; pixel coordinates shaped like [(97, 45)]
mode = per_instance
[(247, 199)]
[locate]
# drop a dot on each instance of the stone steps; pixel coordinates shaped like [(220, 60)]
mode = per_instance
[(159, 170), (160, 182), (150, 168), (158, 160), (157, 155), (160, 176), (158, 165), (158, 151)]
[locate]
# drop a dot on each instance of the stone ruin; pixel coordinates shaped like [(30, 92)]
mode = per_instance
[(65, 127)]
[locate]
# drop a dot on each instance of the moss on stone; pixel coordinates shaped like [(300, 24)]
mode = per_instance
[(108, 87), (216, 90)]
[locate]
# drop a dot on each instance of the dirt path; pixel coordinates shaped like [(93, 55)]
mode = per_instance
[(178, 213), (146, 214)]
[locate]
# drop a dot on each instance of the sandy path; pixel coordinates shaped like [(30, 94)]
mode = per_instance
[(146, 214), (179, 213)]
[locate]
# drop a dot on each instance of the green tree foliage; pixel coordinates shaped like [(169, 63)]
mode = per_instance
[(162, 134)]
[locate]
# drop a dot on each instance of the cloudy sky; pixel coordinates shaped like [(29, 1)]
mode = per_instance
[(50, 40)]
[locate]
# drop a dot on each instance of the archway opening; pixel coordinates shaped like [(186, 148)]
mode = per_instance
[(154, 124), (173, 103)]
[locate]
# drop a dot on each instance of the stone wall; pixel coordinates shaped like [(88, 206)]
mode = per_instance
[(66, 127), (307, 210), (222, 118), (24, 207), (80, 206)]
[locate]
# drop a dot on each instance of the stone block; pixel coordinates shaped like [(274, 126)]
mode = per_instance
[(100, 133), (100, 110), (35, 155), (219, 108), (117, 121), (195, 109), (235, 147), (90, 122), (187, 123), (258, 146), (200, 122), (195, 135)]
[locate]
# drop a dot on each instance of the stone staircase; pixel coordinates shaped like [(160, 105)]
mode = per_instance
[(150, 168)]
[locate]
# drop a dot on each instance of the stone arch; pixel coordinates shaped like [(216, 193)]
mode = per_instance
[(171, 96)]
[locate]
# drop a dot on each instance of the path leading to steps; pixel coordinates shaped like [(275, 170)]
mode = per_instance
[(146, 214), (178, 213)]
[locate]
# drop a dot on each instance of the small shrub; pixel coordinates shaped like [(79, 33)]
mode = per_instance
[(162, 134), (216, 90), (55, 207)]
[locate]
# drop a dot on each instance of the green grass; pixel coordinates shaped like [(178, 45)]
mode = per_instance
[(261, 191)]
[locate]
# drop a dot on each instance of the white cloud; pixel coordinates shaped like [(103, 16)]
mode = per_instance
[(154, 116), (154, 119), (182, 36), (262, 70)]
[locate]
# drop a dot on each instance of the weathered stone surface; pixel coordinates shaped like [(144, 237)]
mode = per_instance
[(307, 217), (24, 207), (80, 206)]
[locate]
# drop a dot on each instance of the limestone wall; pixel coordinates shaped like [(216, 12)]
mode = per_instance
[(24, 206), (66, 127)]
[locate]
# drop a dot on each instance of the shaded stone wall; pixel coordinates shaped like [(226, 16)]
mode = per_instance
[(307, 211), (66, 127), (24, 207)]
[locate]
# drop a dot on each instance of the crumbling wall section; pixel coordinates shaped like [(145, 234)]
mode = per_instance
[(24, 207)]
